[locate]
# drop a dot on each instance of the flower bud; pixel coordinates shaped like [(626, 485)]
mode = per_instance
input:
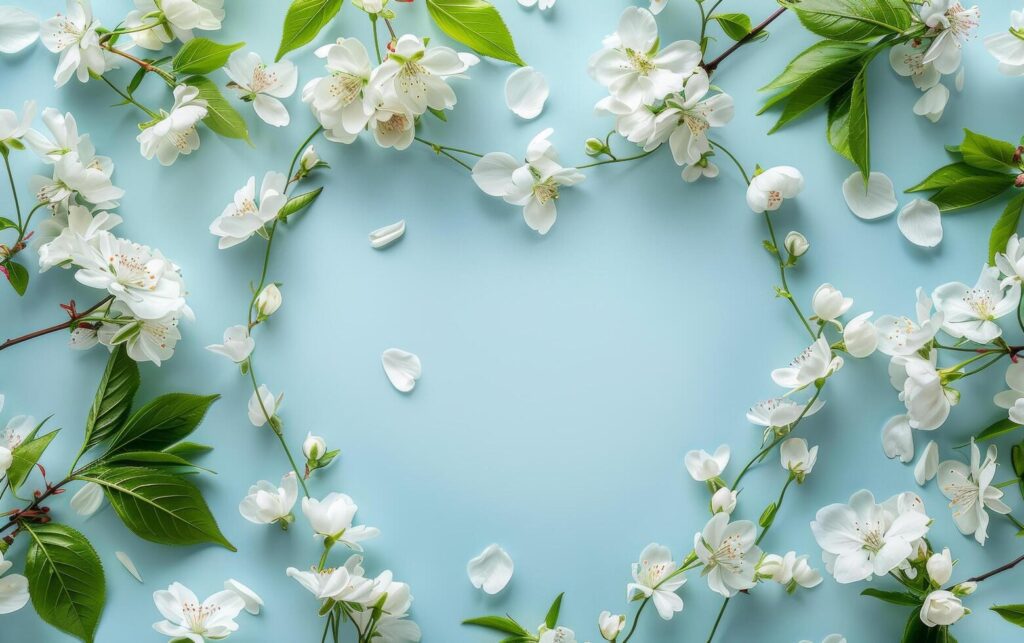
[(771, 567), (268, 301), (941, 608), (965, 588), (610, 625), (313, 447), (828, 303), (860, 336), (309, 160), (723, 500), (940, 567), (796, 244), (595, 147)]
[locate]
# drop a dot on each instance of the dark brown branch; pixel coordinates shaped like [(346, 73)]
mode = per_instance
[(713, 65), (53, 329)]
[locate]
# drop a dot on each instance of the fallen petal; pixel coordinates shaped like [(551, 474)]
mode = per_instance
[(18, 29), (387, 235), (491, 570), (88, 499), (252, 600), (921, 223), (876, 200), (898, 439), (928, 464), (402, 368), (932, 103), (526, 91), (128, 564)]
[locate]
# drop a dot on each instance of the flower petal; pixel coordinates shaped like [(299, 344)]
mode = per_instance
[(526, 91), (387, 235), (402, 368), (928, 464), (876, 200), (18, 29), (128, 564), (898, 439), (921, 223), (491, 570), (253, 602)]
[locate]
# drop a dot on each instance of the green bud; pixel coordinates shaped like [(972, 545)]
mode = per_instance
[(595, 147)]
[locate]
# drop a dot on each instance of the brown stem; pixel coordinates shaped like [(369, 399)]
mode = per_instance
[(391, 29), (141, 63), (713, 65), (998, 570), (56, 327), (50, 490)]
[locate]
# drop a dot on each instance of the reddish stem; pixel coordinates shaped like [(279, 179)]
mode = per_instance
[(62, 326)]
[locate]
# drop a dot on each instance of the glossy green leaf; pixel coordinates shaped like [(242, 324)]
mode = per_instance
[(65, 579), (113, 401), (970, 192), (954, 173), (476, 24), (304, 20), (1012, 613), (551, 620), (735, 25), (768, 515), (25, 456), (811, 61), (996, 429), (162, 422), (838, 129), (221, 117), (1005, 227), (202, 55), (188, 450), (815, 86), (158, 506), (860, 137), (17, 275), (987, 153), (497, 623), (148, 458), (7, 224), (896, 598), (851, 20), (299, 203)]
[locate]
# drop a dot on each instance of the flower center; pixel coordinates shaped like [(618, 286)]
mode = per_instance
[(262, 79), (345, 87), (653, 573), (640, 63), (131, 270), (962, 21), (728, 555), (196, 615), (545, 191), (395, 125), (980, 301)]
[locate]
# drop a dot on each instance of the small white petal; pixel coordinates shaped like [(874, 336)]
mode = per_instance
[(88, 499), (18, 29), (932, 103), (958, 80), (928, 464), (921, 223), (252, 600), (387, 235), (898, 439), (128, 564), (491, 570), (877, 200), (402, 368), (526, 91)]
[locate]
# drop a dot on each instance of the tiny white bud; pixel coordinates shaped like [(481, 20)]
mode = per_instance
[(796, 244), (595, 147), (313, 447), (723, 500), (940, 567), (942, 607), (828, 302), (269, 300), (861, 336), (309, 159), (965, 588), (610, 625)]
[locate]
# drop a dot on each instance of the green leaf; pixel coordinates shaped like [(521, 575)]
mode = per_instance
[(7, 224), (65, 579), (304, 20), (896, 598), (221, 117), (851, 19), (438, 114), (113, 400), (820, 56), (158, 506), (1012, 613), (1005, 227), (954, 173), (996, 429), (202, 55), (768, 515), (148, 458), (188, 450), (816, 87), (17, 275), (551, 620), (25, 456), (860, 138), (476, 24), (162, 422), (497, 623), (136, 80), (987, 153), (735, 25), (838, 129), (971, 191), (298, 203)]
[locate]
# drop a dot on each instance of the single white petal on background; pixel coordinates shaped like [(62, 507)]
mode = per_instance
[(921, 223), (928, 464), (382, 237), (128, 564), (526, 91), (898, 439), (932, 103), (958, 80), (253, 602), (872, 202), (491, 570), (402, 368), (88, 499), (18, 29)]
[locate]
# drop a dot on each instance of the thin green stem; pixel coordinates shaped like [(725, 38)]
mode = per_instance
[(778, 505), (14, 190), (776, 441), (997, 358), (128, 98), (1020, 314), (718, 620), (376, 38), (739, 166), (271, 422), (23, 232), (1011, 518), (445, 150), (636, 619), (616, 159), (782, 275), (327, 627)]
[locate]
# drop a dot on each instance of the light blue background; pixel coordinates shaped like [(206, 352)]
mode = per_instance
[(564, 376)]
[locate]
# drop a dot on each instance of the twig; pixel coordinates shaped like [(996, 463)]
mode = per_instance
[(713, 65)]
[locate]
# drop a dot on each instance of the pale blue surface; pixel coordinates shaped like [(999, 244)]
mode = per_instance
[(564, 376)]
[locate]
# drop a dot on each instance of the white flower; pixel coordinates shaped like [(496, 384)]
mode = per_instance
[(395, 599), (12, 127), (147, 340), (949, 25), (898, 438), (780, 412), (691, 115), (332, 518), (920, 221), (1008, 47), (831, 638), (558, 635), (724, 500), (655, 577), (770, 188), (971, 312), (269, 300), (187, 618), (907, 59), (1012, 399), (13, 588), (703, 168), (860, 336), (871, 201), (927, 466), (266, 504), (543, 5), (533, 185), (417, 74), (76, 177), (341, 583), (814, 363), (942, 607), (940, 567), (73, 35), (263, 407), (864, 538), (796, 244), (177, 19), (309, 160), (610, 625), (263, 85), (704, 466), (175, 132), (797, 458), (970, 491), (243, 216), (928, 402), (729, 554), (391, 123), (18, 29), (526, 91), (829, 304), (237, 346), (314, 447), (63, 138), (902, 336), (789, 570), (933, 103), (63, 235), (340, 101), (491, 570), (1011, 262), (631, 66), (402, 368)]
